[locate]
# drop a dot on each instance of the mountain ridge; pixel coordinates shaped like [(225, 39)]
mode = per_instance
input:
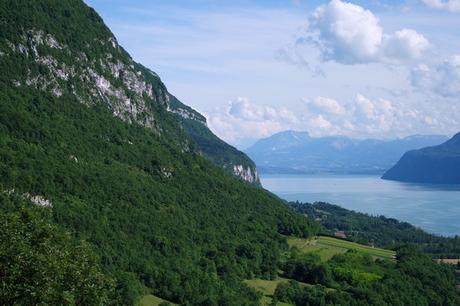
[(298, 152), (434, 165)]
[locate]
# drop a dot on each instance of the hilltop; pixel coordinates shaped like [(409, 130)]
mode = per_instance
[(434, 165)]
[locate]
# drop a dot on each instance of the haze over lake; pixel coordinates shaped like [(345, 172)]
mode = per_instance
[(434, 208)]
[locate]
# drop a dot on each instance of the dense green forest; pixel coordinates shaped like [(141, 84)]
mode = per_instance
[(378, 230), (358, 279), (41, 264), (117, 169)]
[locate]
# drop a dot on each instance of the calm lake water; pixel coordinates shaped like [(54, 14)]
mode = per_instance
[(434, 208)]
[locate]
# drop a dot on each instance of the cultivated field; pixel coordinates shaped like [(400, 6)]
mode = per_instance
[(267, 288), (151, 300), (450, 261), (327, 247)]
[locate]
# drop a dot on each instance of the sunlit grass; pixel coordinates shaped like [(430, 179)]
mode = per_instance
[(267, 288), (328, 247), (151, 300)]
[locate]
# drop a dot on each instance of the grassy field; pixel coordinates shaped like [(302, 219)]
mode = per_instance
[(450, 261), (151, 300), (267, 288), (327, 247)]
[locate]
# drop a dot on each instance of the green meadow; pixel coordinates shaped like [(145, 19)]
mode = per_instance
[(327, 247), (267, 288), (151, 300)]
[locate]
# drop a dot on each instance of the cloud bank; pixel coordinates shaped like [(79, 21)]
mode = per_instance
[(442, 79), (242, 122)]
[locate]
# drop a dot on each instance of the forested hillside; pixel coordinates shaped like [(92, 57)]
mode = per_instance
[(91, 135), (212, 147), (41, 263), (433, 165)]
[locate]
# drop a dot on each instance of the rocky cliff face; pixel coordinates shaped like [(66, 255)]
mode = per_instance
[(112, 78), (100, 72), (246, 173)]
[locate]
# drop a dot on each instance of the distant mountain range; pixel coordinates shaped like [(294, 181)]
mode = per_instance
[(436, 165), (298, 152)]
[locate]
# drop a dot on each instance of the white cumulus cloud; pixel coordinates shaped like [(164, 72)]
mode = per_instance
[(450, 5), (327, 105), (350, 34), (405, 44)]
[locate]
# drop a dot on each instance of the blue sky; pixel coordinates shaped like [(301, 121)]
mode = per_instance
[(362, 68)]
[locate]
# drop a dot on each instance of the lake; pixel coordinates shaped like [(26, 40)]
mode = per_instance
[(434, 208)]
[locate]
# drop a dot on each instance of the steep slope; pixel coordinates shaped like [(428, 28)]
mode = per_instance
[(95, 138), (41, 264), (297, 152), (212, 147), (434, 165), (98, 70)]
